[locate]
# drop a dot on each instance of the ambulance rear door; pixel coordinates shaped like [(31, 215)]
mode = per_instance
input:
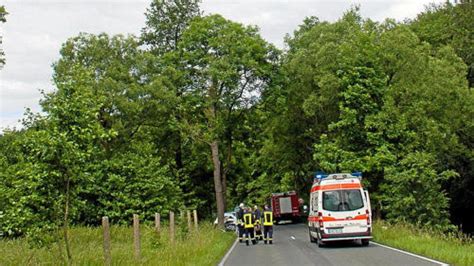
[(344, 212)]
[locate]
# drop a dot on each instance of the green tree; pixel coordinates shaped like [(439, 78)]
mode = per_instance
[(61, 151), (449, 24), (452, 25), (225, 65), (413, 191), (165, 23), (424, 113), (307, 100), (132, 108), (370, 96)]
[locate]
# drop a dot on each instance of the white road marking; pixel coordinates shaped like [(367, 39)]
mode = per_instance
[(411, 254), (228, 253), (292, 237)]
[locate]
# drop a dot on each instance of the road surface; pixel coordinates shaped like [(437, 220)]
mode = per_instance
[(291, 246)]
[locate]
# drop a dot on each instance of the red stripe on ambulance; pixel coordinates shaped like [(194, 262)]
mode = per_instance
[(336, 186)]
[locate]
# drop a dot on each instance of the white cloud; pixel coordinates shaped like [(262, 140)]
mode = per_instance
[(32, 38), (36, 29)]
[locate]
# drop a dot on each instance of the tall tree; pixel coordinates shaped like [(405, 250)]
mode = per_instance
[(129, 165), (449, 24), (452, 25), (165, 22), (60, 152), (226, 65), (373, 97)]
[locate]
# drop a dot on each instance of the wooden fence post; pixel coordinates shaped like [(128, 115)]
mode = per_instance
[(136, 236), (106, 229), (172, 227), (157, 223), (195, 220), (188, 212)]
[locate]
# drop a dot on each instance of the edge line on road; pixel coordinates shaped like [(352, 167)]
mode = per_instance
[(228, 253), (411, 254)]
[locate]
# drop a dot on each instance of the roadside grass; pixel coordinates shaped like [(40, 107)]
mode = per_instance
[(205, 247), (451, 248)]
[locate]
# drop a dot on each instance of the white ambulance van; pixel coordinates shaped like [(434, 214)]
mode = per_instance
[(339, 209)]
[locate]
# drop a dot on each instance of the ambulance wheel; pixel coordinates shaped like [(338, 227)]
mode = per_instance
[(311, 238), (365, 242)]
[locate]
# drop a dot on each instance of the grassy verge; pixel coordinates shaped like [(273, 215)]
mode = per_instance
[(454, 249), (205, 247)]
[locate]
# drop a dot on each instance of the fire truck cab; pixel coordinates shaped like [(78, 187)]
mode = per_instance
[(339, 209)]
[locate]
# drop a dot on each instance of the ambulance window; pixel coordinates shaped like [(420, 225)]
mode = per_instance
[(342, 200), (315, 201), (353, 199), (331, 200)]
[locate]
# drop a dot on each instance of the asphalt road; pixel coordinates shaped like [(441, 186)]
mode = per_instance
[(291, 246)]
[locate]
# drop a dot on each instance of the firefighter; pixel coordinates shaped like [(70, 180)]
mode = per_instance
[(240, 222), (258, 224), (267, 225), (249, 225)]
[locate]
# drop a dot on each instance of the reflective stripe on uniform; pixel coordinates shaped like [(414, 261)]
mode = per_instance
[(267, 218), (248, 220)]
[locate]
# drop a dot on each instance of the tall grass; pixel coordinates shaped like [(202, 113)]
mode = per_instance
[(453, 248), (205, 247)]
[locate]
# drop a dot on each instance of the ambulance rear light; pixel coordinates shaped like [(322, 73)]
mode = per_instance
[(357, 174), (367, 213), (320, 216), (320, 175)]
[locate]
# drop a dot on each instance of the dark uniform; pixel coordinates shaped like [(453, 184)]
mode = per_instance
[(249, 224), (240, 223), (258, 226), (267, 226)]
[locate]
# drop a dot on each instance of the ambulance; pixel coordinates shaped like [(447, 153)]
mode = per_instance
[(339, 209)]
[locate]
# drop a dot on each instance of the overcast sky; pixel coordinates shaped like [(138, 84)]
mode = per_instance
[(35, 30)]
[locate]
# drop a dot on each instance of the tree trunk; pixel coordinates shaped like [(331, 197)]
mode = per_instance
[(218, 182), (226, 169), (212, 118)]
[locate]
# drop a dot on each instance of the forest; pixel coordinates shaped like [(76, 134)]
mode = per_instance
[(201, 112)]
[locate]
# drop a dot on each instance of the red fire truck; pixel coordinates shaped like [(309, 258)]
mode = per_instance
[(286, 206)]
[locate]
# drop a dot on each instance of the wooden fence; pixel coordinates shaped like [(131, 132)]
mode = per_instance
[(136, 232)]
